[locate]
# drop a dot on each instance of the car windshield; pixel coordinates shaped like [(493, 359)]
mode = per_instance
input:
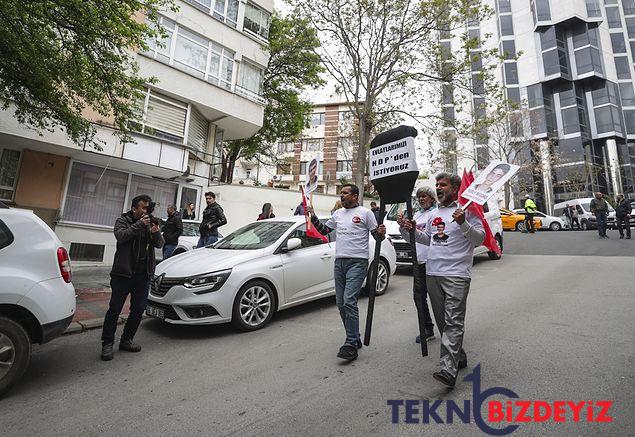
[(256, 235), (401, 207), (190, 229)]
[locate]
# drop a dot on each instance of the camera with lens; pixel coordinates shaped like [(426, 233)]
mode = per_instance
[(149, 211)]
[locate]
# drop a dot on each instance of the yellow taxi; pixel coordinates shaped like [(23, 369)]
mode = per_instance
[(512, 221)]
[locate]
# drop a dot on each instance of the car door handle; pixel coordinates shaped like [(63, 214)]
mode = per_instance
[(276, 267), (326, 256)]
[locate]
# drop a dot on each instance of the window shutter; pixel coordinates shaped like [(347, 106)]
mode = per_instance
[(197, 135), (166, 115)]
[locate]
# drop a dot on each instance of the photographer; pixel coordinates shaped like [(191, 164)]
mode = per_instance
[(137, 234), (213, 218)]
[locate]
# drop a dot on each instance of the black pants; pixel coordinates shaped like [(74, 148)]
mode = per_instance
[(420, 296), (601, 221), (623, 222), (529, 222), (138, 287), (574, 221)]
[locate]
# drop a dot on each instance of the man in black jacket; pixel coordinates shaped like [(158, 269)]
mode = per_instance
[(623, 216), (213, 218), (131, 272), (172, 230)]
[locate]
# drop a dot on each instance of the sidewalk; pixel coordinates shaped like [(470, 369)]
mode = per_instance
[(92, 286)]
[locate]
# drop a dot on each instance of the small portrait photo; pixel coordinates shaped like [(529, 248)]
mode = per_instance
[(311, 182)]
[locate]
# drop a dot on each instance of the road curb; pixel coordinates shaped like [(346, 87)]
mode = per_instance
[(89, 324)]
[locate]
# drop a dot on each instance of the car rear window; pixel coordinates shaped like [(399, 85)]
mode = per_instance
[(6, 237)]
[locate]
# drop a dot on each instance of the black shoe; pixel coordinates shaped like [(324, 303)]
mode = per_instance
[(462, 364), (628, 237), (129, 346), (347, 352), (621, 237), (444, 377), (106, 352), (359, 344)]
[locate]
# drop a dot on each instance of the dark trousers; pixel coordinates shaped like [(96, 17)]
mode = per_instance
[(138, 287), (420, 296), (574, 221), (601, 221), (529, 222), (623, 222)]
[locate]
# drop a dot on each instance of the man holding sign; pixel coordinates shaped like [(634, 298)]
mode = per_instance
[(452, 234)]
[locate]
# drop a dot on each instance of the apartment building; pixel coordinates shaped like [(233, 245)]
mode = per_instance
[(332, 138), (209, 73), (574, 75)]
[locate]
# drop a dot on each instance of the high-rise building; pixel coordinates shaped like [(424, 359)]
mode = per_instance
[(570, 63), (209, 70)]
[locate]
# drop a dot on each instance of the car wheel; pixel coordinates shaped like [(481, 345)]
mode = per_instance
[(15, 353), (493, 255), (383, 277), (520, 226), (555, 226), (584, 225), (253, 306)]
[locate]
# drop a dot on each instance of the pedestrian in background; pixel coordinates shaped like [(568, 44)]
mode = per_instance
[(353, 223), (299, 210), (530, 210), (449, 271), (188, 213), (623, 216), (131, 272), (213, 218), (172, 230), (427, 200), (574, 217), (567, 215), (600, 209), (267, 212), (375, 209)]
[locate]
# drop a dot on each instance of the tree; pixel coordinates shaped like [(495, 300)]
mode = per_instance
[(60, 57), (293, 66), (379, 52)]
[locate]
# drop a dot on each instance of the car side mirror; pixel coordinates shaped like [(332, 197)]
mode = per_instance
[(293, 244)]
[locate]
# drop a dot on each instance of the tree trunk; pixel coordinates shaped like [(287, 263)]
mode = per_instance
[(507, 194)]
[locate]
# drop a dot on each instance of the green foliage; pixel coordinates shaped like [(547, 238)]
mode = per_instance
[(293, 66), (60, 57)]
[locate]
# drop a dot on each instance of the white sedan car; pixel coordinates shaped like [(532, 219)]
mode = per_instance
[(550, 222), (263, 267)]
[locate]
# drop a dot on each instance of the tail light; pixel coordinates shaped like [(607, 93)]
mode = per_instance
[(65, 264)]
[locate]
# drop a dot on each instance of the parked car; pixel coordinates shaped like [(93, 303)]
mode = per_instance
[(188, 240), (547, 221), (586, 219), (402, 248), (516, 222), (37, 298), (263, 267)]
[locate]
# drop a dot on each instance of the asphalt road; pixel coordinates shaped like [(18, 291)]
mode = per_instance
[(547, 327)]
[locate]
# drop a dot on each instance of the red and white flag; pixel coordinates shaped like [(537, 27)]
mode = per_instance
[(490, 242), (310, 229)]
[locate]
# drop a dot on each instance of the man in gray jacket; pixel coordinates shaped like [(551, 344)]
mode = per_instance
[(449, 270)]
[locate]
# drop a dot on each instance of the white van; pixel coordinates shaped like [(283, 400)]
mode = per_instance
[(492, 215), (586, 219), (37, 298)]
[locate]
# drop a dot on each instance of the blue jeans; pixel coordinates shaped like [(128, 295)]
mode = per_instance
[(349, 276), (601, 221), (138, 287), (206, 241), (168, 250)]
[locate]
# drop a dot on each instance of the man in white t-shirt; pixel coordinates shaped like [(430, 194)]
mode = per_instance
[(353, 223), (427, 200), (449, 270)]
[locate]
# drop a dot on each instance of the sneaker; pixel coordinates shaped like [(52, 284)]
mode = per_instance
[(106, 352), (444, 377), (347, 352), (129, 346)]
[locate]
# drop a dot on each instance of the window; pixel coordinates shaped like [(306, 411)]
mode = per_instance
[(622, 67), (475, 35), (509, 49), (193, 54), (613, 17), (448, 94), (478, 85), (300, 232), (313, 144), (283, 169), (6, 237), (87, 252), (345, 165), (250, 78), (583, 60), (285, 147), (629, 117), (516, 124), (511, 73), (618, 43), (198, 131), (603, 119), (9, 162), (504, 6), (163, 193), (317, 119), (507, 25), (223, 10), (513, 95), (627, 93), (162, 117), (95, 195), (630, 26), (477, 61), (570, 120), (543, 13), (303, 167), (628, 6), (480, 108), (593, 8), (256, 21), (551, 62)]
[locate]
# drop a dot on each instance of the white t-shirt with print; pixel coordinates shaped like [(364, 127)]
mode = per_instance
[(353, 226), (421, 219)]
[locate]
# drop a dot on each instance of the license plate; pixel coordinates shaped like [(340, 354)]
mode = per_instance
[(159, 313), (403, 254)]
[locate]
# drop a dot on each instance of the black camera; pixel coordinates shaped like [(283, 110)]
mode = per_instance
[(149, 211)]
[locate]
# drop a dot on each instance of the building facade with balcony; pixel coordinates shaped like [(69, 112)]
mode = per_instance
[(209, 72), (574, 75), (332, 138)]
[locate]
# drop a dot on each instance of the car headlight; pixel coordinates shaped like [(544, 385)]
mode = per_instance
[(215, 280)]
